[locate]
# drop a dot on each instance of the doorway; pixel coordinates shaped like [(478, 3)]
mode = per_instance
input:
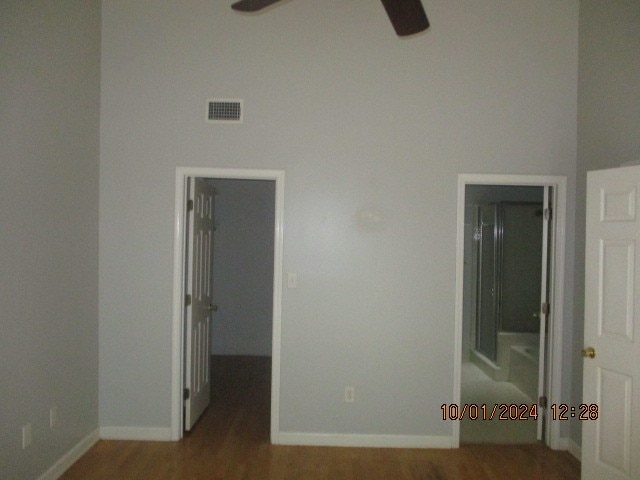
[(490, 307), (274, 308)]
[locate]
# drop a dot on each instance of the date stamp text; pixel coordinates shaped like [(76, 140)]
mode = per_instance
[(515, 411)]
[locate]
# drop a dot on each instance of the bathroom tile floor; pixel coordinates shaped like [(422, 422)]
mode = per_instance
[(477, 388)]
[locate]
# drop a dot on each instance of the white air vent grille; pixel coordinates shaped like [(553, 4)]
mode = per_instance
[(224, 110)]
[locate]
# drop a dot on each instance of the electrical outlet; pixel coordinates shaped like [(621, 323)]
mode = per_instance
[(26, 435), (53, 416), (349, 394)]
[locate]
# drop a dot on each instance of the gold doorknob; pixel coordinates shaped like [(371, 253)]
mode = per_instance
[(588, 352), (213, 307)]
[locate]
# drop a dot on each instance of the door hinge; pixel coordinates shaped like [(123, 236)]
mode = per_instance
[(546, 308), (542, 401), (548, 213), (186, 394), (187, 300), (189, 205)]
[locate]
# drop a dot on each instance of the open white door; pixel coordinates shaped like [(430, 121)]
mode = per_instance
[(611, 391), (199, 301), (544, 310)]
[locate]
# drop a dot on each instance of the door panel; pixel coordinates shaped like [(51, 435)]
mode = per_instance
[(612, 376), (615, 316), (614, 434), (198, 314)]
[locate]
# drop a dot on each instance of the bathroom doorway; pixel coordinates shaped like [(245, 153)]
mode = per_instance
[(509, 252), (179, 285), (502, 306)]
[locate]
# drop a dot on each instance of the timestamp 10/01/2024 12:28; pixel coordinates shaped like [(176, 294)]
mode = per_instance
[(514, 411)]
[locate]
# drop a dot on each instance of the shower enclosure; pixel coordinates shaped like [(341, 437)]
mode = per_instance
[(508, 269)]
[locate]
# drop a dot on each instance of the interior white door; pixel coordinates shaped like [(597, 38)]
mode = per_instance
[(199, 304), (611, 392), (544, 309)]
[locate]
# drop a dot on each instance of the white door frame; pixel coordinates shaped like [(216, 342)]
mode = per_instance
[(177, 345), (556, 296)]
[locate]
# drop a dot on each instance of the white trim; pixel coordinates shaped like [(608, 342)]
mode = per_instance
[(354, 440), (556, 299), (178, 286), (71, 457), (559, 184), (573, 448), (151, 434)]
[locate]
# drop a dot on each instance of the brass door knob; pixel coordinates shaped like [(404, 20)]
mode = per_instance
[(588, 352), (213, 307)]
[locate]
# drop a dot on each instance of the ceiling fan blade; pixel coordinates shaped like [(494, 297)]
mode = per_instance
[(407, 16), (252, 5)]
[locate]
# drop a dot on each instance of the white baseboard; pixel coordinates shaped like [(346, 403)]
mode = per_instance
[(71, 457), (575, 449), (136, 433), (352, 440)]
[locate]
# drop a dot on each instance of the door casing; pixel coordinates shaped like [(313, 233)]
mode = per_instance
[(177, 345), (556, 296)]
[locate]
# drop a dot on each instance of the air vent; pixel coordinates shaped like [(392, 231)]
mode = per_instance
[(224, 111)]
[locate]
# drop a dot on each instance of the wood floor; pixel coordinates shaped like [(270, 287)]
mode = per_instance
[(231, 442)]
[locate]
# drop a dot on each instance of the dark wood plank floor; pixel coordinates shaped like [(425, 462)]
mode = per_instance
[(231, 442)]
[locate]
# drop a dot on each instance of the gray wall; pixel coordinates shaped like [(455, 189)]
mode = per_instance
[(243, 267), (487, 89), (356, 117), (49, 146), (608, 122)]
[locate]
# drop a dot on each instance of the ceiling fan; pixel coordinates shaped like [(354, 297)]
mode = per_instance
[(407, 16)]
